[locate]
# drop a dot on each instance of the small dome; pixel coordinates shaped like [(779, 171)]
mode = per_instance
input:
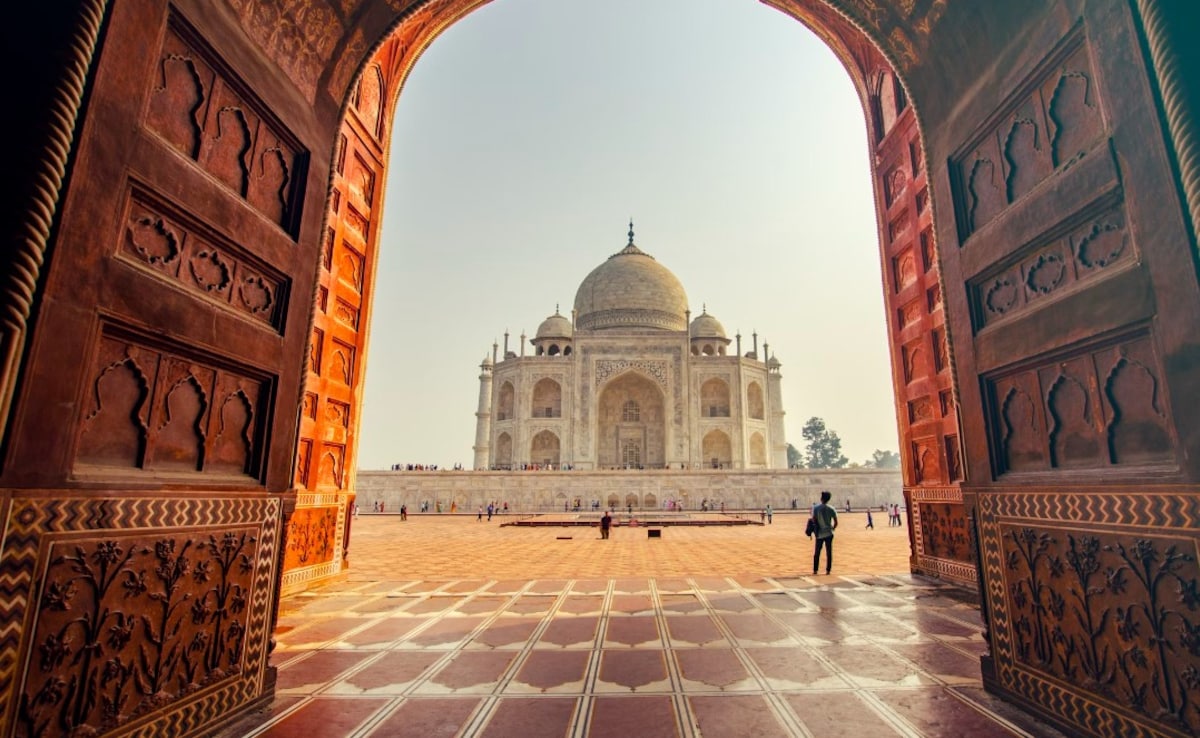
[(487, 361), (706, 326), (773, 363), (631, 290), (556, 326)]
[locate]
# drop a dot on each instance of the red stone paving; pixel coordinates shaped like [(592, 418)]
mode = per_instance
[(693, 630), (546, 671), (631, 631), (426, 717), (334, 716), (393, 672), (473, 669), (510, 633), (531, 718), (570, 632), (312, 673), (713, 669), (727, 717), (633, 670), (626, 717)]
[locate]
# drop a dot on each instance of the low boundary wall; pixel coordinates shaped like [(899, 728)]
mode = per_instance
[(546, 491)]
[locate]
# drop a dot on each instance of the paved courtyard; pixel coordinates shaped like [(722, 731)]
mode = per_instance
[(446, 626)]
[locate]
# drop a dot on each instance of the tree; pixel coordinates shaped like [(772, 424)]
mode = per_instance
[(795, 458), (883, 460), (824, 448)]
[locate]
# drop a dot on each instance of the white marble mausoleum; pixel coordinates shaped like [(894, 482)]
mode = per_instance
[(630, 381)]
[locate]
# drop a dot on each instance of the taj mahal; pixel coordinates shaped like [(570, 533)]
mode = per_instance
[(630, 381)]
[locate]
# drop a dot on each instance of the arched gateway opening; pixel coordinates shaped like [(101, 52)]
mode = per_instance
[(185, 304)]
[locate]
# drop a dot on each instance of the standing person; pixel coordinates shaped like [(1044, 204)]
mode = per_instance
[(770, 515), (870, 521), (404, 511), (605, 525), (826, 518), (479, 515), (491, 509)]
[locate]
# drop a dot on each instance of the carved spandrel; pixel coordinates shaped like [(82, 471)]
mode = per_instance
[(330, 471), (904, 269), (301, 38), (368, 99)]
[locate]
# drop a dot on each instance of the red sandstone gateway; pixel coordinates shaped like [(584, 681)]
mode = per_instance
[(186, 296)]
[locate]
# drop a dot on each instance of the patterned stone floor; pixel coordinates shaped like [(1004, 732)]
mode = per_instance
[(446, 626)]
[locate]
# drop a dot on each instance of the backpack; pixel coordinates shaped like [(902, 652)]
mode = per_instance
[(811, 527)]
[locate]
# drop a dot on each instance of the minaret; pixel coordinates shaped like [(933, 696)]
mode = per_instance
[(775, 412), (483, 416)]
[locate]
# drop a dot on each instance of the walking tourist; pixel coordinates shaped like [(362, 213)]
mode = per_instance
[(605, 525), (404, 512), (770, 515), (826, 519), (870, 521)]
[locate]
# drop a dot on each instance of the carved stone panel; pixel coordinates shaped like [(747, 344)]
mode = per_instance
[(1046, 269), (155, 409), (944, 531), (146, 625), (1109, 610), (1052, 122), (1101, 407), (157, 236), (310, 537), (201, 110)]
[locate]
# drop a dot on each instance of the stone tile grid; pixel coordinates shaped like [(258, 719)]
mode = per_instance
[(870, 646)]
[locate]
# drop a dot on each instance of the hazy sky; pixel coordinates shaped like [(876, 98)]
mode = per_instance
[(530, 132)]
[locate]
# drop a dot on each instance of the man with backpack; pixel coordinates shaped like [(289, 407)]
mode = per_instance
[(825, 521)]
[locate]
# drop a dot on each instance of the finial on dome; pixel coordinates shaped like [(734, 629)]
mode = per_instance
[(556, 308), (704, 308), (631, 231)]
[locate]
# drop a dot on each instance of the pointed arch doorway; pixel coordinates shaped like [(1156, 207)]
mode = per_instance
[(196, 213)]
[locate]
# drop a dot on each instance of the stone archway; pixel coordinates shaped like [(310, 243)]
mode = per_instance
[(631, 423), (171, 230)]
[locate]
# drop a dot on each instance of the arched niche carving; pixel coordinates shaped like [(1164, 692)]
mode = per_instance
[(547, 399), (716, 450), (505, 402), (714, 398), (755, 406)]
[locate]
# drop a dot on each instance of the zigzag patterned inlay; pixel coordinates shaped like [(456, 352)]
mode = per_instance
[(1070, 706), (993, 573), (1147, 509)]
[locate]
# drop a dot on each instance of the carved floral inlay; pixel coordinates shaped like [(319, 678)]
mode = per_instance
[(606, 368), (1001, 296), (129, 625), (1118, 614)]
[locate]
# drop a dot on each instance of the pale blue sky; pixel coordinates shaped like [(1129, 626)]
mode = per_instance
[(530, 132)]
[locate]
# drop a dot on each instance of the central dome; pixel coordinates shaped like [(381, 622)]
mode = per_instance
[(631, 290)]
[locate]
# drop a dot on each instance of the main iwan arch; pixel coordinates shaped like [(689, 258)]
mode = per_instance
[(185, 299)]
